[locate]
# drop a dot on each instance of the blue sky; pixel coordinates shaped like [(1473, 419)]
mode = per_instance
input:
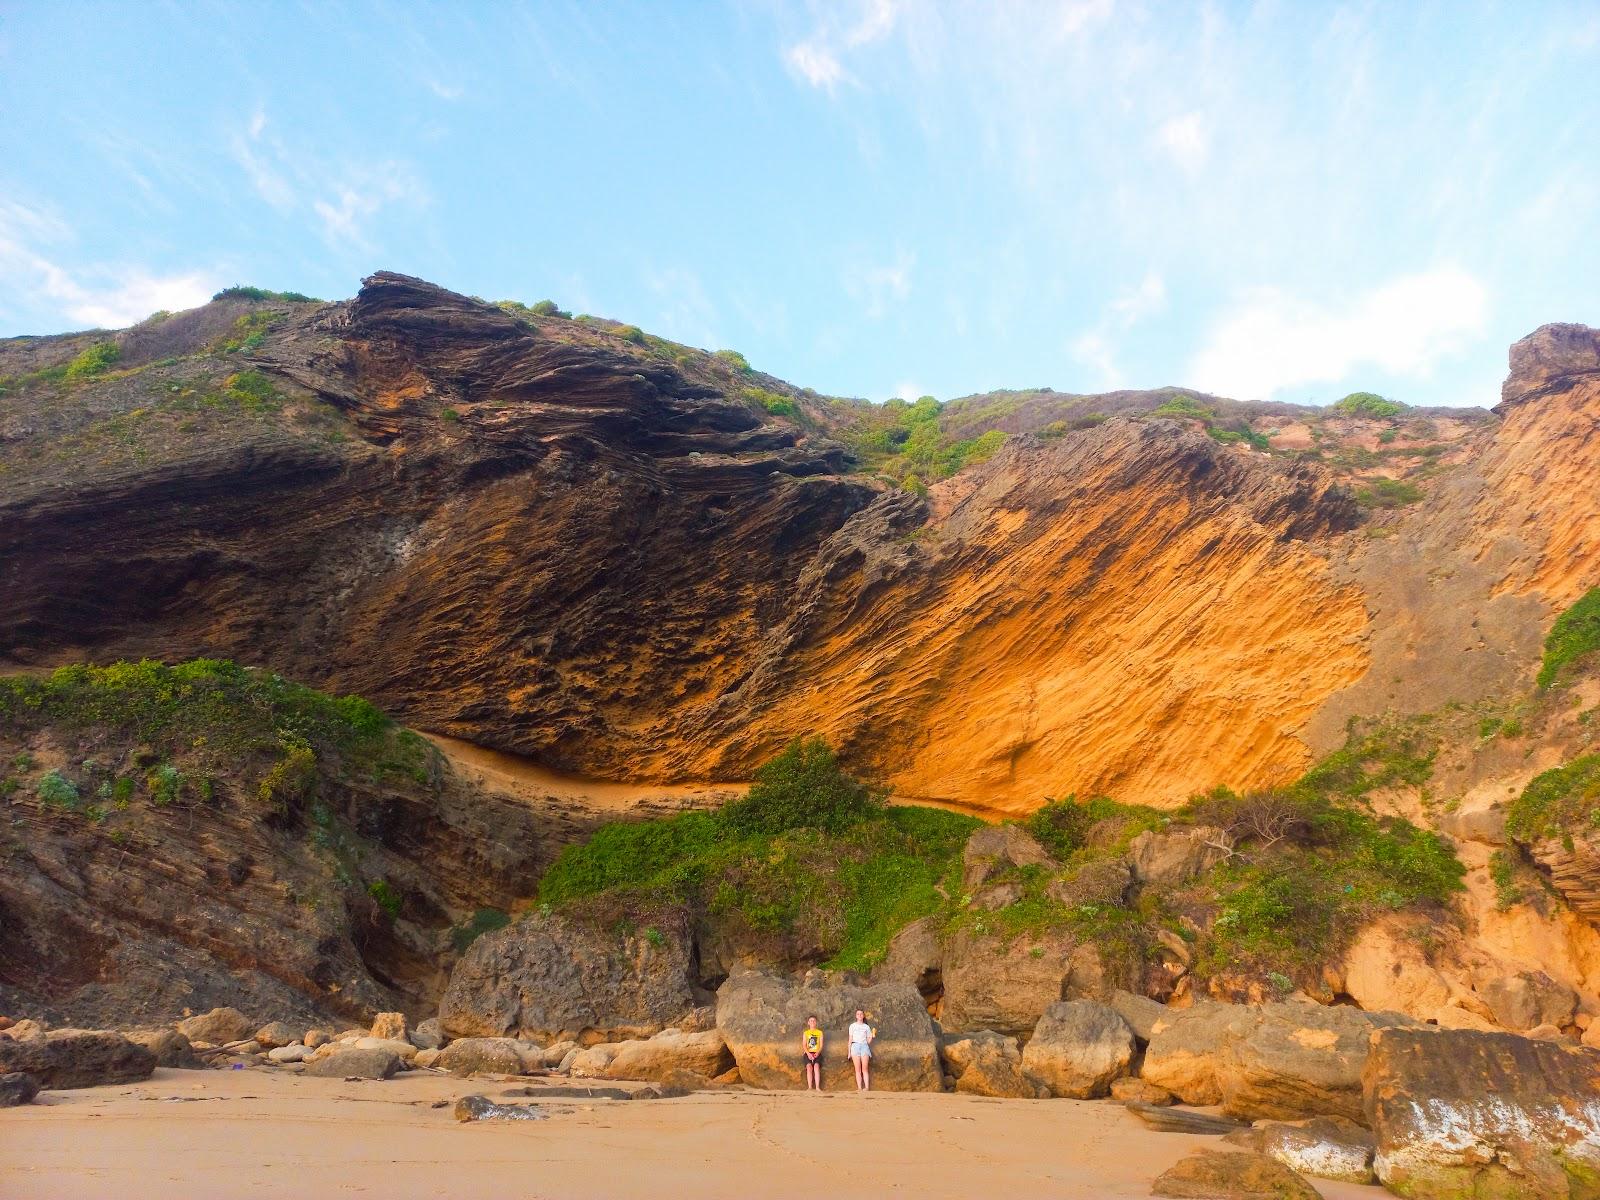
[(869, 197)]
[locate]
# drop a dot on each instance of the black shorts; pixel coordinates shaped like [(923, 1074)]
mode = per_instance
[(813, 1060)]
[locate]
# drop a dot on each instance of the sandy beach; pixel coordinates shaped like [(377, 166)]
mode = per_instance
[(259, 1134)]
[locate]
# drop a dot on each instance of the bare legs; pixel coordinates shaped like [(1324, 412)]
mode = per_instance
[(813, 1076), (863, 1066)]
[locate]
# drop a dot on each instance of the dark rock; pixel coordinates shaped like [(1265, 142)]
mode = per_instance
[(76, 1058), (549, 979), (481, 1108), (1462, 1113), (1232, 1175), (355, 1064), (17, 1088), (1183, 1120)]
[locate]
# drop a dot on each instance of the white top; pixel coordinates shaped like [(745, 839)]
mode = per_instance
[(860, 1033)]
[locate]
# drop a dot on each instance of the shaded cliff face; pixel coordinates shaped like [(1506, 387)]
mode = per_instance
[(552, 539)]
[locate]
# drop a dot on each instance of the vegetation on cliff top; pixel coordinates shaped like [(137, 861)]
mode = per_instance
[(1559, 803)]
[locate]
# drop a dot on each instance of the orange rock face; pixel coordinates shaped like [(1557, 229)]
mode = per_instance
[(537, 537)]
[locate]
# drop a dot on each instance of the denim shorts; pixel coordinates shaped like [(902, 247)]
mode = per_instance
[(861, 1050)]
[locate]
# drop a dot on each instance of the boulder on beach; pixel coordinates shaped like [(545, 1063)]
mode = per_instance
[(1324, 1147), (701, 1056), (17, 1088), (391, 1026), (986, 1063), (347, 1062), (761, 1016), (1232, 1175), (428, 1035), (1461, 1113), (77, 1058), (218, 1027), (1140, 1012), (294, 1052), (481, 1056), (169, 1046), (277, 1033), (550, 978), (1078, 1048)]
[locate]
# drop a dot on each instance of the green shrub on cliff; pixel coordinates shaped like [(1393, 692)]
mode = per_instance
[(1369, 404), (96, 360), (1558, 803), (1575, 633), (803, 787)]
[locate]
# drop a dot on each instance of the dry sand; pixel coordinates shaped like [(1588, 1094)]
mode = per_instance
[(217, 1135)]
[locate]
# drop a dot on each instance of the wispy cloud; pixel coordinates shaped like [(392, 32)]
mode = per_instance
[(1186, 140), (106, 295), (1097, 347), (1271, 340), (344, 196), (819, 58), (879, 286)]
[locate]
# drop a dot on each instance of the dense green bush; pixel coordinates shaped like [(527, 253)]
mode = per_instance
[(734, 359), (549, 308), (96, 360), (1369, 404), (1575, 633), (777, 405), (803, 787), (1558, 802), (1387, 493), (258, 294)]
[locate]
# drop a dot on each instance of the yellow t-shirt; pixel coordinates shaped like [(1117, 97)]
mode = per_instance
[(812, 1040)]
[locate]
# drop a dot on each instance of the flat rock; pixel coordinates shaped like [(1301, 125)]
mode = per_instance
[(1182, 1120), (481, 1108), (670, 1052), (573, 1092), (1078, 1048), (17, 1088), (77, 1058), (1325, 1147), (1232, 1175), (1139, 1091), (1461, 1113), (403, 1050), (350, 1063)]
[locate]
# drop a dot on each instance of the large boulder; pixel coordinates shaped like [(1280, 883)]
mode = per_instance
[(997, 848), (1281, 1061), (218, 1027), (760, 1016), (704, 1055), (77, 1058), (277, 1033), (995, 981), (1232, 1175), (1187, 1046), (1529, 999), (1078, 1048), (481, 1056), (169, 1046), (1140, 1012), (1462, 1113), (986, 1063), (549, 978), (1323, 1147), (1299, 1060), (1172, 857)]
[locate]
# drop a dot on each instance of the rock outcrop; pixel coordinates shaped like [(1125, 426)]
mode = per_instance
[(77, 1058), (1078, 1048), (986, 1063), (760, 1017), (549, 978), (1323, 1147), (1462, 1113)]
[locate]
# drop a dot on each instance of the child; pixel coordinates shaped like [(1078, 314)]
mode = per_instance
[(861, 1035), (811, 1050)]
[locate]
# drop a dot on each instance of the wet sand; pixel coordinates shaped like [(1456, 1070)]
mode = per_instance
[(219, 1135)]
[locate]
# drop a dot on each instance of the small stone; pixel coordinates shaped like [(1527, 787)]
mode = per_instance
[(391, 1026), (292, 1053), (17, 1088)]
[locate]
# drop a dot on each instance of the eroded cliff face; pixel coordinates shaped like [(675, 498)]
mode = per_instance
[(561, 548)]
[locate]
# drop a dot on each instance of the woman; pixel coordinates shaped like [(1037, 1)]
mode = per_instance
[(861, 1035), (811, 1054)]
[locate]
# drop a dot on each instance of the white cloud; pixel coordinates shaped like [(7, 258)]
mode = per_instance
[(1097, 347), (1272, 341), (445, 91), (1187, 139), (817, 59), (1083, 15), (102, 295), (879, 286), (344, 197), (908, 391)]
